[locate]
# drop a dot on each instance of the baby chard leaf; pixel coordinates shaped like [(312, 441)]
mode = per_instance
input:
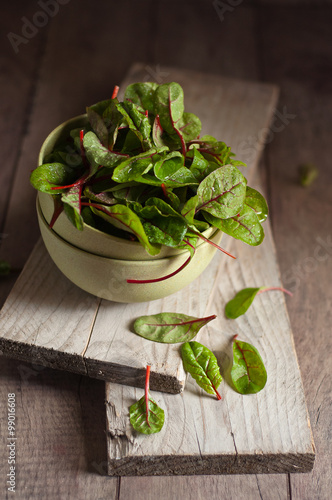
[(72, 205), (244, 226), (244, 298), (202, 365), (222, 193), (124, 218), (97, 154), (248, 371), (257, 203), (50, 175), (142, 94), (145, 415), (190, 126), (137, 121), (169, 105), (241, 302), (170, 328)]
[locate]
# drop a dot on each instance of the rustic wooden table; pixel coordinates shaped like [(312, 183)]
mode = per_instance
[(74, 52)]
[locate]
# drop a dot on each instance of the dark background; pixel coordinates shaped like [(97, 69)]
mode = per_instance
[(74, 58)]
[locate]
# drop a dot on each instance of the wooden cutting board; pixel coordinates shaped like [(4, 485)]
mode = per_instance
[(49, 321), (264, 433)]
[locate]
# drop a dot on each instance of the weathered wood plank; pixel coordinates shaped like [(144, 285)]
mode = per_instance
[(265, 433)]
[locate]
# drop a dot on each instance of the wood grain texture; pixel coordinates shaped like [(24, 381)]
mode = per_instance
[(61, 326)]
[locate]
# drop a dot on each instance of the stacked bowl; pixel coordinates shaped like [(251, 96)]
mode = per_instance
[(100, 263)]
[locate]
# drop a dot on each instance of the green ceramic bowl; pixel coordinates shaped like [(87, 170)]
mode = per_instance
[(106, 277), (91, 239)]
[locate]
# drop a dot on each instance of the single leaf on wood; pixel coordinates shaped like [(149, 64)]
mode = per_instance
[(308, 174), (5, 268), (202, 365), (248, 371), (170, 328), (244, 298), (145, 415), (222, 193), (241, 302)]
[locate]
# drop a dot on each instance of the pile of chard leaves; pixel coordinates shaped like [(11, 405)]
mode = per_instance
[(140, 170)]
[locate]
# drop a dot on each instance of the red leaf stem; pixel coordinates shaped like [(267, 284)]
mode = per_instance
[(147, 384), (115, 92), (85, 161), (163, 187), (269, 288), (217, 393), (215, 245), (156, 280), (57, 211), (207, 319)]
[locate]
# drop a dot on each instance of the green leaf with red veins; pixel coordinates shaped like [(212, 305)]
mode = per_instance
[(172, 172), (257, 203), (142, 94), (137, 121), (157, 133), (169, 105), (241, 302), (162, 223), (189, 209), (124, 218), (190, 126), (222, 193), (98, 125), (202, 365), (244, 226), (145, 415), (97, 154), (51, 175), (113, 120), (248, 372), (170, 328)]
